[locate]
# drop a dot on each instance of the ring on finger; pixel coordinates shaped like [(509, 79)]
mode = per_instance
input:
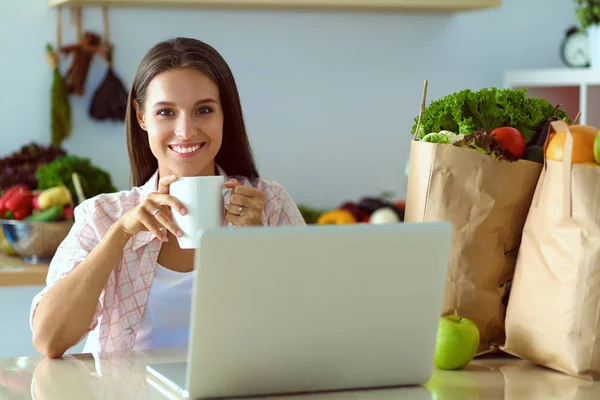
[(240, 210), (155, 212)]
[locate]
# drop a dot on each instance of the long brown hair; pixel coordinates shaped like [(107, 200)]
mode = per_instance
[(235, 155)]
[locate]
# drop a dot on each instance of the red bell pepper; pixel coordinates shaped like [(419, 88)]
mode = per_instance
[(16, 202), (7, 194)]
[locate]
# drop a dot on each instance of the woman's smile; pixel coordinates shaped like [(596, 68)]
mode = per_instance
[(187, 150)]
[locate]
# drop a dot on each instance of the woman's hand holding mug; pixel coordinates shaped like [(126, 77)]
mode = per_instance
[(245, 205), (187, 206), (155, 214), (203, 197)]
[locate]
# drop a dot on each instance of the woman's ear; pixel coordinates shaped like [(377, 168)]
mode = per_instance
[(139, 114)]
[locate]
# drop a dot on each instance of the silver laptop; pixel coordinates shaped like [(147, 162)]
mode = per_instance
[(309, 309)]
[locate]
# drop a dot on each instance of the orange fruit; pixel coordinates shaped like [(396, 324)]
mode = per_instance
[(583, 144)]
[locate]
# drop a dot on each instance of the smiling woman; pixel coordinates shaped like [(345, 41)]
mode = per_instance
[(184, 91), (184, 119)]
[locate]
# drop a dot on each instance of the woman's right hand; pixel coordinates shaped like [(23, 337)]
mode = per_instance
[(154, 213)]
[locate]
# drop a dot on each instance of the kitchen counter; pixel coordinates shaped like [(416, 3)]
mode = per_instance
[(123, 376), (15, 272)]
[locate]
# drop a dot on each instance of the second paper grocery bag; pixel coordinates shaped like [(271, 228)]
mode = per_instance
[(553, 315)]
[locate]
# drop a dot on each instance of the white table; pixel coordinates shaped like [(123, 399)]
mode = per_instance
[(123, 376)]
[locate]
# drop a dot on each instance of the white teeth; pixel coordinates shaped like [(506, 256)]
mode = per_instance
[(185, 150)]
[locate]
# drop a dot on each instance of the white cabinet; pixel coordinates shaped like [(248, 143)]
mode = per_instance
[(578, 90)]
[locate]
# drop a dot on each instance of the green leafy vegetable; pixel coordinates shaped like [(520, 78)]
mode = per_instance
[(436, 138), (453, 137), (310, 214), (466, 112), (94, 180), (486, 143)]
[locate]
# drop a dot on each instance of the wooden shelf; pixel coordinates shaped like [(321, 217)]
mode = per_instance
[(392, 5), (15, 272)]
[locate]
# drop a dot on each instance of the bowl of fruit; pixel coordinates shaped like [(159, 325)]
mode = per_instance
[(37, 187), (34, 223)]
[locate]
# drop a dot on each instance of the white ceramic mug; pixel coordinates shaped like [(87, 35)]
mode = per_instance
[(203, 198)]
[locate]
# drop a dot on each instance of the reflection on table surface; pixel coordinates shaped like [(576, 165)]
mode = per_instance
[(123, 376)]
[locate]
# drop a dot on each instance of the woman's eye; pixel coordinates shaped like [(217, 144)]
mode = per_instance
[(164, 112), (204, 110)]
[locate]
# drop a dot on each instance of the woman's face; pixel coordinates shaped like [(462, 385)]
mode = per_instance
[(183, 117)]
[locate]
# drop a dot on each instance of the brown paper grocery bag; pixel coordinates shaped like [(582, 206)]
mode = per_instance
[(553, 316), (486, 201)]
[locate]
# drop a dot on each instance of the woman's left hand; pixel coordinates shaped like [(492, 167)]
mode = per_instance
[(245, 205)]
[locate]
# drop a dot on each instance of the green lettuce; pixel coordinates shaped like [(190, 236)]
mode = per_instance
[(466, 112), (94, 180), (434, 137)]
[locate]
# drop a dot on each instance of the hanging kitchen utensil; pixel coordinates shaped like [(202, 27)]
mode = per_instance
[(60, 106), (87, 45), (110, 99)]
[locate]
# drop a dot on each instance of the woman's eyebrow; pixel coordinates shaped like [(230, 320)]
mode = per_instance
[(168, 103)]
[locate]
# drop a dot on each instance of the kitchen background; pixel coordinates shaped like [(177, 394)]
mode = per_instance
[(329, 97)]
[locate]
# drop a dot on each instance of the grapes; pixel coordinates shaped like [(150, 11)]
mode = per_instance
[(20, 166)]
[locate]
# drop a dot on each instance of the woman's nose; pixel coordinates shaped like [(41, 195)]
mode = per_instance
[(185, 128)]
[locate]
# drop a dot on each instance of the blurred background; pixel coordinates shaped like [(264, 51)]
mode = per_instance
[(329, 96)]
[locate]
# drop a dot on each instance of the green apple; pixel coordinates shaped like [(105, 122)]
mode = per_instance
[(456, 343)]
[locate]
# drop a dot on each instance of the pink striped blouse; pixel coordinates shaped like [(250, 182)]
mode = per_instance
[(121, 305)]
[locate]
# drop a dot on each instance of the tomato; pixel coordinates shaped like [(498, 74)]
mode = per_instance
[(510, 139)]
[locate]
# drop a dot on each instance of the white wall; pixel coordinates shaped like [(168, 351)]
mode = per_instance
[(329, 98)]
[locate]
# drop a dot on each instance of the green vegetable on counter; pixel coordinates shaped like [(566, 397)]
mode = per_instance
[(466, 112), (94, 180), (52, 214), (310, 215)]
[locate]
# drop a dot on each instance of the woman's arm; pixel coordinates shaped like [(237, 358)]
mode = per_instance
[(65, 312), (70, 305)]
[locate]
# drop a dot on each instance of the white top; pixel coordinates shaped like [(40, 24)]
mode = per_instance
[(166, 317), (166, 320)]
